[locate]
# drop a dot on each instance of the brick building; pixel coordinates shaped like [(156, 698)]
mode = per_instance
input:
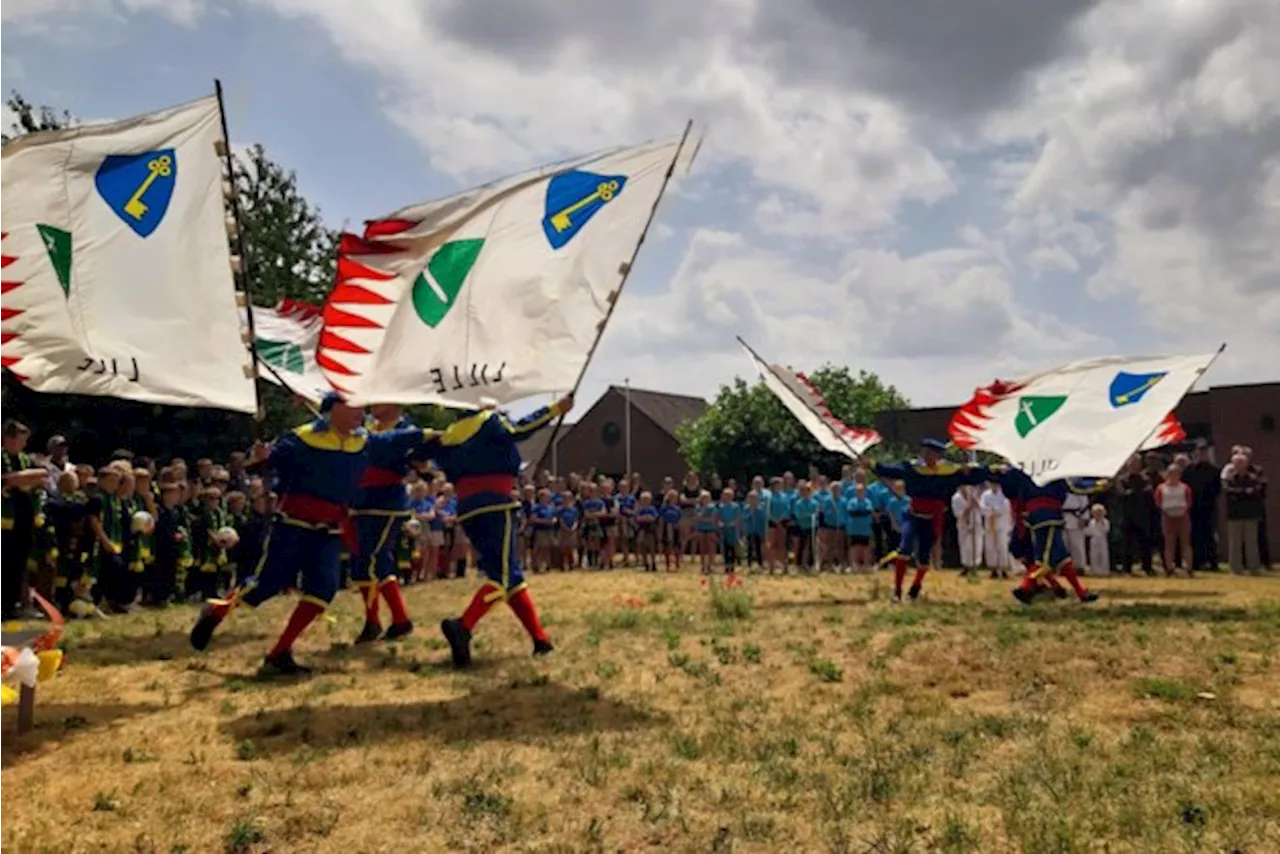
[(598, 439), (1222, 416)]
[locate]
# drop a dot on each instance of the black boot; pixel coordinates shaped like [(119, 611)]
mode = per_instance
[(282, 664), (371, 632), (542, 647), (202, 631), (398, 630), (459, 642)]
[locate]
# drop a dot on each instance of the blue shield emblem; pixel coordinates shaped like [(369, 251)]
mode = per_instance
[(573, 198), (1128, 389), (138, 187)]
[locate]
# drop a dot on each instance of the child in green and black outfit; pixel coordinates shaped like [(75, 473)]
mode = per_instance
[(211, 557), (173, 547), (105, 517)]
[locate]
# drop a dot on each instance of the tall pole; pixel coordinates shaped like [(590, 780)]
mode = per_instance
[(240, 274), (243, 276), (613, 304), (555, 455), (627, 426)]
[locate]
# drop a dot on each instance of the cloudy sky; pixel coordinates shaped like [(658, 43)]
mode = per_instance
[(940, 192)]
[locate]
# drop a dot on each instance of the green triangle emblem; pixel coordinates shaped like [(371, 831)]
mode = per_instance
[(1034, 411), (281, 354), (58, 244), (436, 289)]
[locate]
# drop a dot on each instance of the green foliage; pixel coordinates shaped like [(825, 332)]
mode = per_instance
[(289, 250), (747, 430), (30, 119)]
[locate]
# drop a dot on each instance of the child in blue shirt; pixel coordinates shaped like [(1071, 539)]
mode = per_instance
[(569, 524), (827, 545), (755, 523), (545, 521), (896, 506), (778, 509), (706, 524), (646, 518), (669, 517), (593, 520), (859, 517), (729, 514), (805, 513)]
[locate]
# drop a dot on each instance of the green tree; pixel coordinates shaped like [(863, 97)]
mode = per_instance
[(747, 431), (29, 119)]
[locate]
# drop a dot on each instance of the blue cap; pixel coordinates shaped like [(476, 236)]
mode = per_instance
[(327, 402), (934, 445)]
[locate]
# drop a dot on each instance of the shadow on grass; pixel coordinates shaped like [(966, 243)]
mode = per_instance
[(57, 721), (510, 714), (1141, 595), (125, 649), (1138, 612)]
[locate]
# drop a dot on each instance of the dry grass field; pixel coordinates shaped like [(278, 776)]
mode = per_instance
[(789, 714)]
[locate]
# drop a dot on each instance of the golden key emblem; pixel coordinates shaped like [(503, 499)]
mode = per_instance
[(160, 167), (605, 192)]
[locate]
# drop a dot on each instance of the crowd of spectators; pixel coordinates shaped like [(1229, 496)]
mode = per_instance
[(131, 532)]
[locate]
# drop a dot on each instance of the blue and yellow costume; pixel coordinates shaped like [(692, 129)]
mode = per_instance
[(1041, 507), (318, 471), (378, 513), (479, 455), (930, 488)]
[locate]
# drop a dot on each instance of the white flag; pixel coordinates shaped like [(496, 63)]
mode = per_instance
[(806, 403), (1082, 419), (286, 338), (498, 292), (1168, 432), (117, 277)]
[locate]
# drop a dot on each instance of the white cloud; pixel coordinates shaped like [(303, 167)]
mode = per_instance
[(880, 186), (67, 17)]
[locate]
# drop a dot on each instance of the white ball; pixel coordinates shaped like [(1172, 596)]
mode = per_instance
[(413, 527), (143, 522), (227, 537)]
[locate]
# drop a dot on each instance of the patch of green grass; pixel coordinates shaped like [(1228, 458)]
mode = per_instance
[(1170, 689), (751, 652), (244, 834), (731, 604), (826, 670)]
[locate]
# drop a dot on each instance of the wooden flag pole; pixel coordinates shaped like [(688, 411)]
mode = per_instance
[(243, 276), (626, 273)]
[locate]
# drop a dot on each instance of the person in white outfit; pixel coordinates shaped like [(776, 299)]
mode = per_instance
[(997, 523), (968, 514), (1075, 516), (1098, 532)]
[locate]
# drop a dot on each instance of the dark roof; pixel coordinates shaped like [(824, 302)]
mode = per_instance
[(668, 411)]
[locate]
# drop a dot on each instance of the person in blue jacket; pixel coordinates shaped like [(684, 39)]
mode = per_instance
[(478, 453), (318, 467), (930, 481), (378, 514)]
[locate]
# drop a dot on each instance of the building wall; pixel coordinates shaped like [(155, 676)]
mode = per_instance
[(654, 453)]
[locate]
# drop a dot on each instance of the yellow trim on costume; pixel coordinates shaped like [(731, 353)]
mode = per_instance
[(403, 514), (514, 590), (492, 508), (325, 439), (497, 592), (942, 468), (314, 600), (371, 567), (390, 579), (464, 428), (537, 424), (506, 551), (310, 526)]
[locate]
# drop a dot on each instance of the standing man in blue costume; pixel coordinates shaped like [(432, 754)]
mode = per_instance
[(318, 468), (930, 481), (479, 455), (378, 514), (1049, 555)]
